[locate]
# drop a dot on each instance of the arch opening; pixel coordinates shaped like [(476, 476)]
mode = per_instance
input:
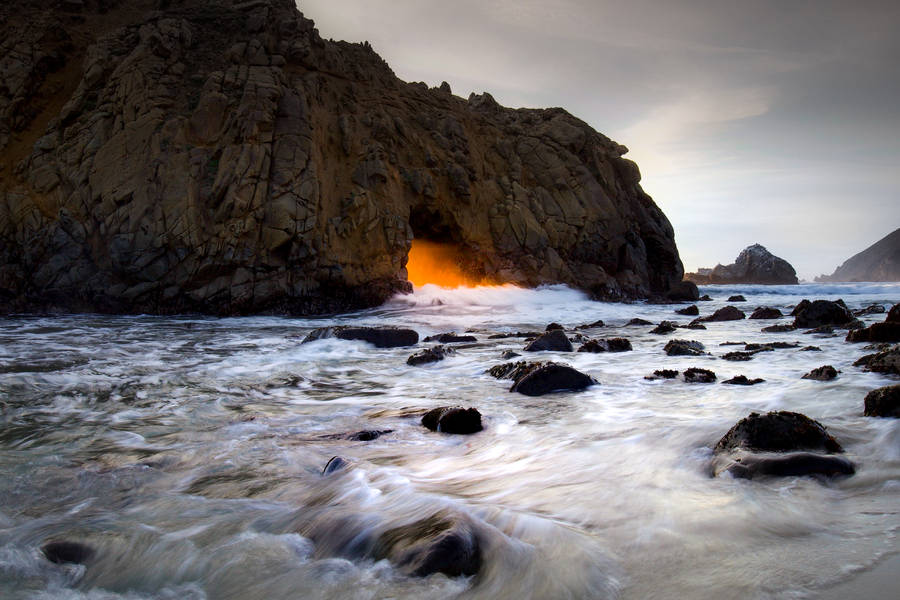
[(438, 254)]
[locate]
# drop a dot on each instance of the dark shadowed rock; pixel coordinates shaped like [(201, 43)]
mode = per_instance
[(684, 348), (685, 291), (883, 402), (823, 373), (727, 313), (453, 419), (380, 337), (637, 321), (893, 315), (821, 330), (872, 309), (554, 340), (798, 464), (780, 431), (606, 345), (800, 307), (430, 355), (508, 354), (810, 349), (693, 325), (737, 298), (876, 332), (517, 334), (695, 375), (778, 329), (822, 312), (367, 435), (450, 338), (662, 374), (765, 312), (705, 298), (738, 356), (64, 551), (887, 361), (743, 380), (438, 544), (770, 346), (664, 327), (514, 370), (690, 311), (551, 377), (553, 326), (597, 323), (754, 265)]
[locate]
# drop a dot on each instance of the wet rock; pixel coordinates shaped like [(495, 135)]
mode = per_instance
[(726, 313), (430, 355), (778, 329), (664, 327), (883, 402), (705, 298), (799, 464), (509, 354), (552, 377), (380, 337), (695, 375), (366, 435), (743, 380), (737, 298), (684, 348), (823, 373), (437, 544), (822, 330), (335, 464), (876, 332), (693, 325), (637, 321), (893, 314), (770, 346), (553, 341), (597, 323), (873, 309), (738, 356), (690, 311), (683, 291), (514, 370), (553, 327), (780, 431), (822, 312), (606, 345), (810, 349), (453, 419), (450, 338), (64, 551), (886, 361), (662, 374), (517, 334), (800, 307), (765, 312)]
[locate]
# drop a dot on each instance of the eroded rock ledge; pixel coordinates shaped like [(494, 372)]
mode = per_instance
[(168, 156)]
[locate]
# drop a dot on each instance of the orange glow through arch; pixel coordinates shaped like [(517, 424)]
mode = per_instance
[(430, 262)]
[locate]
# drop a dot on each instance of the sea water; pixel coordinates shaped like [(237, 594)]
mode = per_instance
[(188, 453)]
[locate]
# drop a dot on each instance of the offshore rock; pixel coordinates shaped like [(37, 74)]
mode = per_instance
[(886, 361), (380, 337), (554, 340), (878, 262), (889, 331), (552, 377), (453, 419), (765, 312), (754, 265), (441, 543), (430, 355), (695, 375), (809, 315), (883, 402), (217, 156), (726, 313), (684, 348), (823, 373), (606, 345), (743, 380), (780, 431)]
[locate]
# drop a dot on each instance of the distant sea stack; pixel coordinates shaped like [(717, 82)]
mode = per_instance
[(878, 262), (220, 156), (754, 265)]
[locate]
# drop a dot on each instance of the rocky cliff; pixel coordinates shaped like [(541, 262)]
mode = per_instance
[(754, 265), (220, 156), (878, 262)]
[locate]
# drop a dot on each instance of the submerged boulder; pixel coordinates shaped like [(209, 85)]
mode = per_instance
[(883, 402), (780, 431), (65, 551), (430, 355), (823, 373), (450, 338), (662, 374), (380, 337), (335, 464), (453, 419), (689, 311), (737, 298), (551, 377), (664, 327), (743, 380), (684, 348), (554, 340), (606, 345), (886, 361), (727, 313), (797, 464), (765, 312), (441, 543), (695, 375)]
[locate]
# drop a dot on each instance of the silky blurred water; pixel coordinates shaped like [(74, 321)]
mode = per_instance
[(188, 451)]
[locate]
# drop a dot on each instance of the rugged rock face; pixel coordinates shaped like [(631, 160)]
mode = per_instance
[(754, 264), (220, 156), (878, 262)]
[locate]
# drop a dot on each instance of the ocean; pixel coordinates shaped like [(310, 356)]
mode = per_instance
[(188, 452)]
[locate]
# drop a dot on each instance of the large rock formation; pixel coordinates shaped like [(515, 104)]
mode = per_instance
[(220, 156), (878, 262), (754, 265)]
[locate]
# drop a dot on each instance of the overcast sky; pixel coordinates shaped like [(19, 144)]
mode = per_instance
[(775, 122)]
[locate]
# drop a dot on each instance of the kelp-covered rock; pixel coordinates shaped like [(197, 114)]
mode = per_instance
[(223, 157), (430, 355)]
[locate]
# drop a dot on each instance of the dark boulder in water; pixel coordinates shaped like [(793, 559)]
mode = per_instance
[(554, 340), (821, 330), (662, 374), (683, 348), (553, 327), (450, 338), (508, 354), (737, 298), (366, 435), (664, 327), (453, 419), (738, 356), (779, 328), (597, 323), (743, 380), (810, 349), (799, 464), (888, 331), (683, 291), (335, 464), (705, 298), (514, 370), (822, 312), (437, 544), (765, 312), (552, 377), (689, 311), (637, 321), (380, 337), (695, 375), (823, 373), (63, 551), (726, 313), (606, 345), (872, 309), (886, 361), (430, 355), (780, 431), (883, 402)]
